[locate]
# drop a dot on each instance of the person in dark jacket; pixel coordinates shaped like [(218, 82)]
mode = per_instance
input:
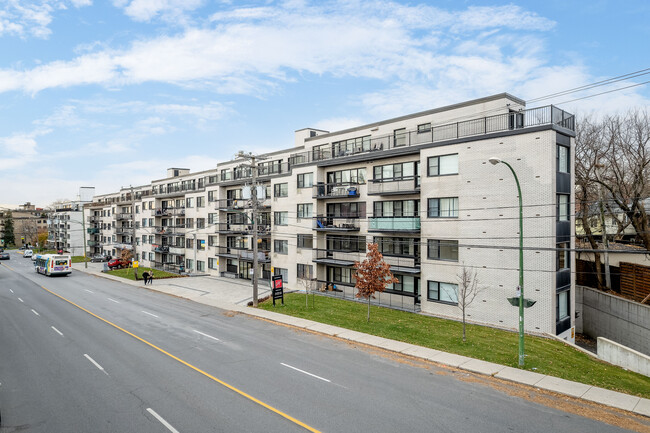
[(145, 277)]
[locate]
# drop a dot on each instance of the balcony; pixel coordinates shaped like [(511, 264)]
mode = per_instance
[(171, 230), (394, 224), (93, 231), (124, 231), (241, 228), (406, 185), (265, 170), (92, 243), (398, 264), (548, 115), (123, 216), (335, 190), (162, 212), (336, 224), (232, 204), (176, 250), (263, 256), (94, 219)]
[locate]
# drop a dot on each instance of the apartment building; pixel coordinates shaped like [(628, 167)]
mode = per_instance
[(420, 186), (65, 223)]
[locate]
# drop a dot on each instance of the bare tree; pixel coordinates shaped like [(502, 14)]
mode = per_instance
[(626, 156), (309, 284), (468, 290), (372, 275)]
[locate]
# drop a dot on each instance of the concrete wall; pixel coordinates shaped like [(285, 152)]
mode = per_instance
[(622, 356), (602, 315)]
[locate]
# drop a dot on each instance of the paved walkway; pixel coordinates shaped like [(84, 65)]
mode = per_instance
[(234, 295)]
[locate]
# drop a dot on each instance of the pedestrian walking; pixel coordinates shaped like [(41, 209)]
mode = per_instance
[(151, 278), (145, 277)]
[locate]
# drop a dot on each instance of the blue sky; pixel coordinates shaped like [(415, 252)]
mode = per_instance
[(111, 93)]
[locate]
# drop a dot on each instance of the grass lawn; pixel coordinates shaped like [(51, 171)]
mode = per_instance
[(129, 274), (545, 356), (77, 259)]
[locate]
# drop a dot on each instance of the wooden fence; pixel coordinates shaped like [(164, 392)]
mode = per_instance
[(635, 281)]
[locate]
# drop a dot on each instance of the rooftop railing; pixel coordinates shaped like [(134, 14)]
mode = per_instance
[(548, 115)]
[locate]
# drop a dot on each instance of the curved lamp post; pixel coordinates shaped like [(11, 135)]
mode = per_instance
[(495, 161)]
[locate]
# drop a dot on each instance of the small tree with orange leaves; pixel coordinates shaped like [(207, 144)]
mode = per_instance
[(372, 275)]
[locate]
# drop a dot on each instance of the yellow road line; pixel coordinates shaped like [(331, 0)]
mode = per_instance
[(221, 382), (8, 266)]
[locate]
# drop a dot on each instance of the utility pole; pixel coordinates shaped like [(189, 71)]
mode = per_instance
[(254, 204), (83, 229), (135, 254), (599, 174)]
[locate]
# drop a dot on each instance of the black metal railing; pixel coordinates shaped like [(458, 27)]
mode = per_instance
[(336, 190), (336, 223), (402, 185)]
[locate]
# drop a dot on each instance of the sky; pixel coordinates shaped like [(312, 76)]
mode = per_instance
[(111, 93)]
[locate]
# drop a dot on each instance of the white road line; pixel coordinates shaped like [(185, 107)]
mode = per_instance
[(162, 420), (21, 300), (11, 290), (57, 331), (95, 363), (206, 335), (113, 300), (307, 373), (35, 312), (151, 314), (89, 291)]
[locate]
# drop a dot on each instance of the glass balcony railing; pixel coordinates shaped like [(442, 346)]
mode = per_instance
[(394, 224)]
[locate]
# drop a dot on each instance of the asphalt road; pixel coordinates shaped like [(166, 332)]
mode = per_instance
[(86, 354)]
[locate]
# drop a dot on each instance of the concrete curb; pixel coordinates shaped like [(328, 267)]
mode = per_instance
[(637, 405)]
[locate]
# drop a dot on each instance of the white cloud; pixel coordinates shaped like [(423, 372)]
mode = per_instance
[(338, 123), (24, 17), (20, 149), (146, 10)]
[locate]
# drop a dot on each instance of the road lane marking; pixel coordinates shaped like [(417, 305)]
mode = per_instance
[(187, 364), (162, 420), (206, 335), (11, 290), (35, 312), (306, 372), (21, 299), (89, 291), (95, 363), (57, 331), (113, 300), (9, 267), (151, 314)]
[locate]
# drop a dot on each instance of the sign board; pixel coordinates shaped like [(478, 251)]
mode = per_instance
[(136, 264), (277, 288)]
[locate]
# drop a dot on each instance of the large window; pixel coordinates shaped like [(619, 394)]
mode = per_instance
[(200, 265), (396, 208), (442, 292), (281, 190), (346, 243), (305, 210), (563, 256), (562, 308), (212, 196), (443, 207), (305, 271), (357, 175), (399, 137), (305, 180), (402, 170), (305, 241), (341, 275), (346, 210), (200, 201), (409, 247), (281, 246), (213, 218), (212, 263), (284, 273), (406, 284), (351, 146), (563, 209), (442, 250), (442, 165), (281, 218), (563, 159)]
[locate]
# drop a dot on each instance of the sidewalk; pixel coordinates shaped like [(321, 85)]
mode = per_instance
[(234, 295)]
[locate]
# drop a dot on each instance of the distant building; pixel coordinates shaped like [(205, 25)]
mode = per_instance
[(65, 224), (28, 222)]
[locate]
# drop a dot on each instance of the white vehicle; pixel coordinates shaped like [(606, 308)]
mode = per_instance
[(28, 253), (53, 264)]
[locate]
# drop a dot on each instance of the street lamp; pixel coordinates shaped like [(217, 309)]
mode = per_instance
[(495, 161)]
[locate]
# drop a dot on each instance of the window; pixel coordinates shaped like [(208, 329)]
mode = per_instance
[(346, 243), (357, 175), (399, 136), (137, 208), (284, 273), (403, 170), (189, 243), (304, 210), (226, 174), (562, 309), (281, 190), (346, 210), (213, 218), (442, 292), (151, 239), (200, 223), (144, 222), (144, 256), (347, 147), (144, 239), (189, 223), (563, 256), (189, 264), (341, 275), (442, 250), (213, 241), (212, 196), (305, 241), (443, 207), (424, 127), (563, 212), (200, 201), (405, 284), (409, 247), (281, 246), (442, 165), (150, 222), (212, 263), (305, 180), (200, 244), (189, 202), (151, 257), (281, 218), (305, 271), (396, 208), (562, 159), (200, 265)]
